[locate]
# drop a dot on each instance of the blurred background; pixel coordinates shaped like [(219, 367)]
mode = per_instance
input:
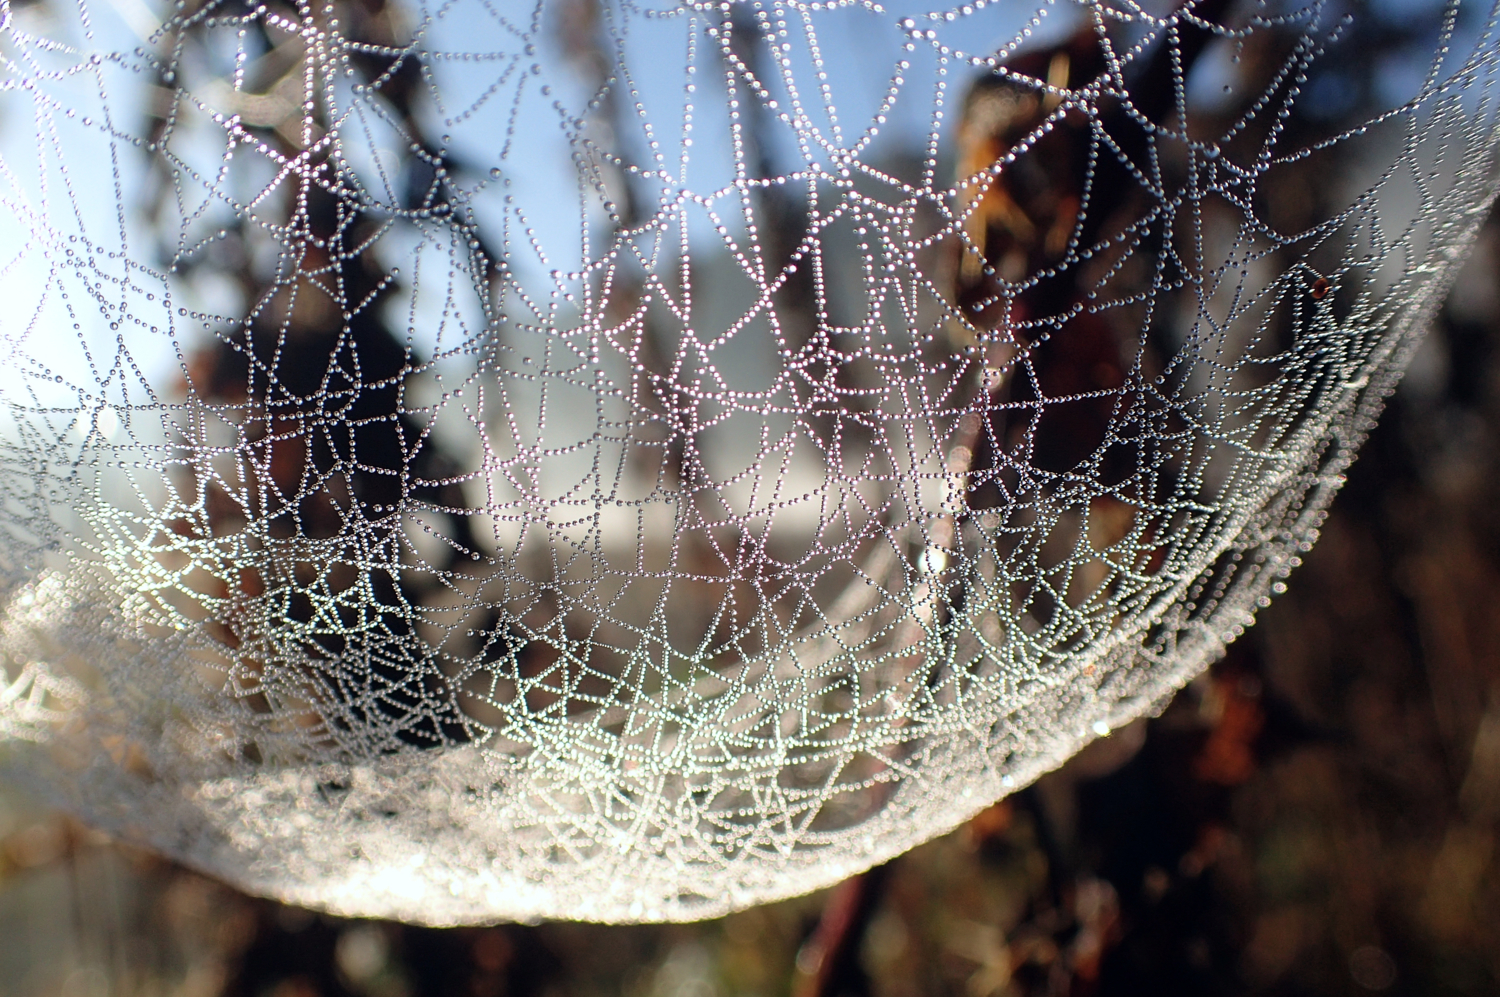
[(1316, 815)]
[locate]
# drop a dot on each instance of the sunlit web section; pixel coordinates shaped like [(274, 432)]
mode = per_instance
[(632, 461)]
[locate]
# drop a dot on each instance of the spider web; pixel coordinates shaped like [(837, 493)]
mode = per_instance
[(631, 461)]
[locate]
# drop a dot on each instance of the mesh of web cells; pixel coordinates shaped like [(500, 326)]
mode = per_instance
[(629, 460)]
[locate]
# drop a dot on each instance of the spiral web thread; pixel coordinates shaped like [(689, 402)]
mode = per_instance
[(633, 461)]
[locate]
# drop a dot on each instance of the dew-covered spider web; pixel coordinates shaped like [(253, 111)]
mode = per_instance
[(630, 460)]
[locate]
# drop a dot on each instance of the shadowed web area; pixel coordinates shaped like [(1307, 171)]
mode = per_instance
[(630, 461)]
